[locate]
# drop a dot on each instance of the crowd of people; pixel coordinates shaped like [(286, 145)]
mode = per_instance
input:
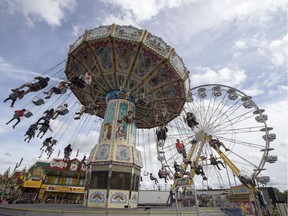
[(43, 124), (181, 170)]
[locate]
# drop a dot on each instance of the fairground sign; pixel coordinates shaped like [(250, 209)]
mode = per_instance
[(183, 182)]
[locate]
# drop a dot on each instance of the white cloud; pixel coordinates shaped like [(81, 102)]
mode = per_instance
[(8, 154), (240, 45), (192, 16), (127, 19), (253, 91), (15, 72), (142, 10), (225, 75), (279, 90), (278, 50), (51, 11)]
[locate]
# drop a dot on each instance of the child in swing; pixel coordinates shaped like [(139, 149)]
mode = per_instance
[(17, 94), (30, 133), (60, 89), (153, 178), (18, 114), (44, 128), (67, 152)]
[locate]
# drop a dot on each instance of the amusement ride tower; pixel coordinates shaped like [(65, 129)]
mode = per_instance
[(140, 82)]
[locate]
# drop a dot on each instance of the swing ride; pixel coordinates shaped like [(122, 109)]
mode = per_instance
[(135, 77), (139, 84)]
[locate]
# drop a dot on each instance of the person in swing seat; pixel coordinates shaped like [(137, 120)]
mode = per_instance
[(198, 170), (60, 89), (215, 162), (60, 110), (48, 115), (216, 144), (34, 87), (44, 128), (161, 175), (67, 152), (81, 81), (30, 133), (153, 178), (18, 114), (161, 133), (181, 148), (46, 142), (16, 94), (191, 120), (91, 108)]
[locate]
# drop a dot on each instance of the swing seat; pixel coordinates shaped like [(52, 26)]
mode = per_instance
[(38, 102), (44, 128), (14, 96), (145, 173), (58, 91), (80, 83), (28, 114), (63, 112), (63, 91)]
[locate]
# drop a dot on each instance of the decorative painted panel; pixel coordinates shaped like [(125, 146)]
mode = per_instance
[(100, 81), (110, 112), (103, 51), (118, 198), (100, 32), (86, 58), (97, 198), (128, 32), (123, 153), (157, 44), (146, 61), (106, 133), (103, 152), (76, 44), (110, 79), (121, 131), (134, 199), (176, 60), (174, 90), (164, 75), (124, 55), (75, 68)]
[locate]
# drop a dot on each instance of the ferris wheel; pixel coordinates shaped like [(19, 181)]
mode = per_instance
[(230, 116)]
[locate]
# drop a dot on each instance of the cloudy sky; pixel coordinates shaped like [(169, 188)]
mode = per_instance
[(242, 44)]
